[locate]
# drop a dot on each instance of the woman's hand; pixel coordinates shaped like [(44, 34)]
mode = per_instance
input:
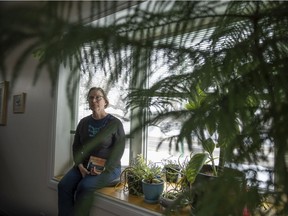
[(83, 170)]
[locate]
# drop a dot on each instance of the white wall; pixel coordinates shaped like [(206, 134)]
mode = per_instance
[(24, 145)]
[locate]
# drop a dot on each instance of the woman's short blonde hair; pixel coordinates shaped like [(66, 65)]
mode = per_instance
[(103, 93)]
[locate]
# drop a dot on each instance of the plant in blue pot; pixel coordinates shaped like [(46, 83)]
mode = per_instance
[(152, 183)]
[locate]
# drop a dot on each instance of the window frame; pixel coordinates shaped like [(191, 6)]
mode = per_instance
[(138, 143), (64, 123)]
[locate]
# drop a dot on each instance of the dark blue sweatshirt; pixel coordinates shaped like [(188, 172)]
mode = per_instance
[(104, 138)]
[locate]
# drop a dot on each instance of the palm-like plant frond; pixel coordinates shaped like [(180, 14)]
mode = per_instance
[(236, 52)]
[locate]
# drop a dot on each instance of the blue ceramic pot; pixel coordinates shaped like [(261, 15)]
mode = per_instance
[(153, 191)]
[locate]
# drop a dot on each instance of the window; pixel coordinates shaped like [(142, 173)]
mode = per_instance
[(116, 94), (145, 143), (159, 70), (92, 75)]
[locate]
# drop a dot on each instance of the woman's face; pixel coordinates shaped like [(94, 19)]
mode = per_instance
[(96, 100)]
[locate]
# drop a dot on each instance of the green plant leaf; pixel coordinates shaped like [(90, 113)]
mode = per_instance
[(194, 166), (208, 145)]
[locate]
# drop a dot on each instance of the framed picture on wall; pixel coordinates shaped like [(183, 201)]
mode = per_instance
[(3, 102), (19, 103)]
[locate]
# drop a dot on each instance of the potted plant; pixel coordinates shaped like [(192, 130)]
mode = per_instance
[(177, 195), (131, 177), (152, 183), (209, 177), (206, 184), (171, 170), (173, 200)]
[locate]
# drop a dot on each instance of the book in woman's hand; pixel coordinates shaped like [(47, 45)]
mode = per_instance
[(96, 164)]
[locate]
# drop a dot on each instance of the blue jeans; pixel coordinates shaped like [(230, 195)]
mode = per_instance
[(75, 193)]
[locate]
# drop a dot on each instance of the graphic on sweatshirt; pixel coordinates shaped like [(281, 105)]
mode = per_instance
[(92, 131)]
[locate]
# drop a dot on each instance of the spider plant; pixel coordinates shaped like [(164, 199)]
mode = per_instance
[(131, 176)]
